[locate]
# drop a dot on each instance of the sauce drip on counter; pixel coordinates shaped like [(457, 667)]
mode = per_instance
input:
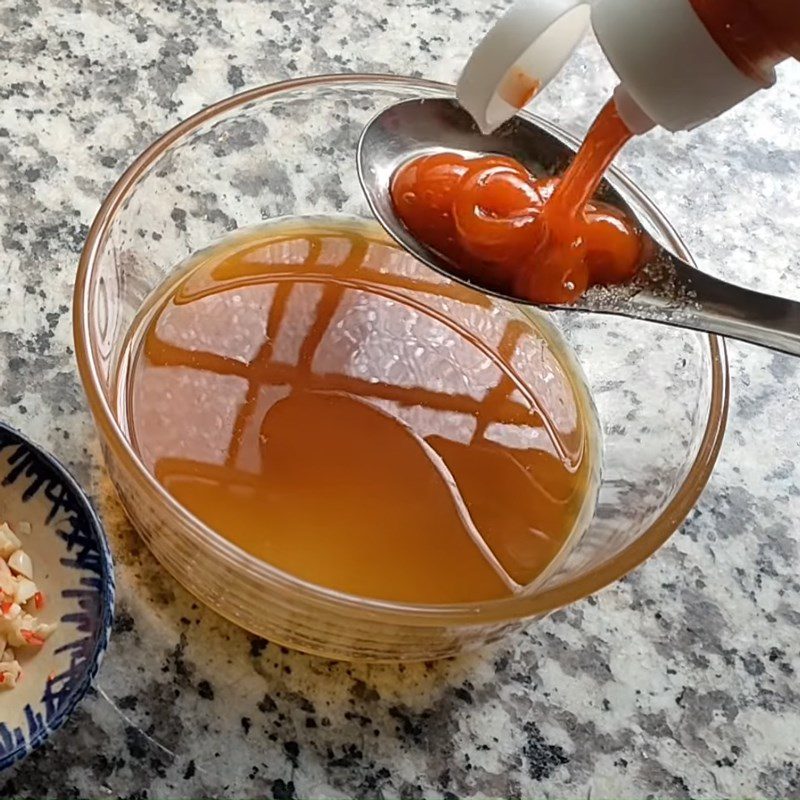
[(320, 399), (543, 240)]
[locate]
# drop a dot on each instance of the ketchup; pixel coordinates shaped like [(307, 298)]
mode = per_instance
[(544, 240), (754, 34)]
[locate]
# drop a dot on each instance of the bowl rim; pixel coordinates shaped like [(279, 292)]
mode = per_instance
[(464, 614), (106, 590)]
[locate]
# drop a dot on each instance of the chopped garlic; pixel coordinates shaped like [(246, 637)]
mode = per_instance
[(24, 590), (8, 541), (6, 579), (10, 612), (10, 673), (20, 562), (19, 600)]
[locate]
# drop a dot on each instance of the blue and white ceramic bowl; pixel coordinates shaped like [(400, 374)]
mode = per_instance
[(73, 568)]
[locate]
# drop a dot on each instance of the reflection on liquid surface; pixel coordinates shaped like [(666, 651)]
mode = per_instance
[(331, 406)]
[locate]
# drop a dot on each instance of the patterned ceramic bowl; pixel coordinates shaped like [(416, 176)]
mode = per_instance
[(73, 569)]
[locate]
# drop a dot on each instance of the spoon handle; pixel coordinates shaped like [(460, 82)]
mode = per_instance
[(719, 307)]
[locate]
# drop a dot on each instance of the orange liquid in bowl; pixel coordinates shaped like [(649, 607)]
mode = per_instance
[(326, 403)]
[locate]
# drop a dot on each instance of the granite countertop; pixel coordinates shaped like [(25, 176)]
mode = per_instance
[(681, 681)]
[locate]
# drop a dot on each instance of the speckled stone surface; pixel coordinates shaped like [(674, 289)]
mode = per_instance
[(682, 681)]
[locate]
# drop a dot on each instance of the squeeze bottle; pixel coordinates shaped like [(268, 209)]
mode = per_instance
[(680, 62)]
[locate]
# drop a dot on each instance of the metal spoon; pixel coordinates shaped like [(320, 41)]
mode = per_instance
[(668, 290)]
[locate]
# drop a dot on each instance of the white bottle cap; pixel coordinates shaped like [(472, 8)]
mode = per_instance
[(519, 56), (668, 63)]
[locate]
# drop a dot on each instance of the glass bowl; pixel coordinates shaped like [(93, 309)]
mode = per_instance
[(289, 150)]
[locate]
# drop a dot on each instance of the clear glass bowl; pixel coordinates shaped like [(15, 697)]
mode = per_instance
[(289, 150)]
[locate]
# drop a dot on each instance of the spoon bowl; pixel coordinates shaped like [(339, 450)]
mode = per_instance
[(667, 289)]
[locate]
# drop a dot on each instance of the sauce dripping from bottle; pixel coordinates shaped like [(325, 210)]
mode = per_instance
[(544, 240)]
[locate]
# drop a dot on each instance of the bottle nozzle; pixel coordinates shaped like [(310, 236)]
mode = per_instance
[(631, 113)]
